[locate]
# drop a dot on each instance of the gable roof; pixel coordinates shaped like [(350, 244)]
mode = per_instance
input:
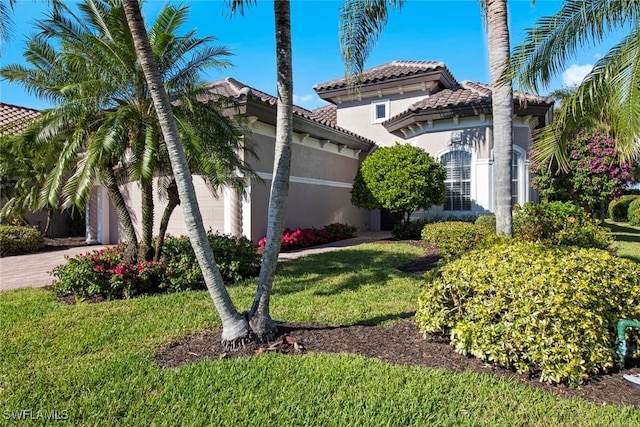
[(389, 71), (236, 91), (466, 99), (14, 119)]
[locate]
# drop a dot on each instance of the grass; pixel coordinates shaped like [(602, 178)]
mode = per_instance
[(627, 239), (94, 363)]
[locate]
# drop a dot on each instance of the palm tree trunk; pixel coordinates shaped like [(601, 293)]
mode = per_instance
[(111, 184), (261, 323), (234, 326), (502, 104), (172, 203), (146, 240)]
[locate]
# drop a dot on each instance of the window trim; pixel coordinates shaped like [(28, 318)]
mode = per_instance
[(374, 104), (471, 153)]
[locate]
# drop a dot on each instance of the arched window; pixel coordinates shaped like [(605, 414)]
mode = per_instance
[(458, 180)]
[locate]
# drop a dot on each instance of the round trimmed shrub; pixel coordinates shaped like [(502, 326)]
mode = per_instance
[(454, 237), (618, 209), (633, 214), (18, 240), (547, 311)]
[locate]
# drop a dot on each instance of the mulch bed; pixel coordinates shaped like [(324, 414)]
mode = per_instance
[(400, 344), (60, 243)]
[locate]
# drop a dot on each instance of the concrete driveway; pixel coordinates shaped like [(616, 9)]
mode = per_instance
[(21, 271), (33, 270)]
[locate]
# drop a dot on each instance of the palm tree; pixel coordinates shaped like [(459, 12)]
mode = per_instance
[(234, 325), (362, 21), (610, 93), (495, 12), (260, 320), (115, 125)]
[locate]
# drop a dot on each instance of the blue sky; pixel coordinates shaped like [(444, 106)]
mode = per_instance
[(448, 31)]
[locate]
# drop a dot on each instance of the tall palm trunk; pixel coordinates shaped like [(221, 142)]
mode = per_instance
[(111, 184), (172, 203), (502, 104), (234, 326), (261, 323), (146, 239)]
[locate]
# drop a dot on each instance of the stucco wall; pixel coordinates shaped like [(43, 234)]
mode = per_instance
[(307, 206), (212, 209), (356, 115)]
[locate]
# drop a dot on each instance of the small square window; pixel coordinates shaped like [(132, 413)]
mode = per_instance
[(379, 111)]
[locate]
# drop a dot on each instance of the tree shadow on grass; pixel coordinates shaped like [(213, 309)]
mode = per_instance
[(624, 233), (351, 269)]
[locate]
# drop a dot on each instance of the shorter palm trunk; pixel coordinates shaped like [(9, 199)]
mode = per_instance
[(113, 191), (173, 202)]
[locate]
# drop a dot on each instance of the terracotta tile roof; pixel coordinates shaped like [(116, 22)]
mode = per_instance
[(390, 70), (326, 115), (466, 94), (14, 119), (233, 89)]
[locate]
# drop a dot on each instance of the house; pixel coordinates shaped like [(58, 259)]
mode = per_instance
[(13, 120), (421, 103), (407, 102)]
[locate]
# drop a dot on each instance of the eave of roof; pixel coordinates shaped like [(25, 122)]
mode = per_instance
[(467, 99), (254, 102)]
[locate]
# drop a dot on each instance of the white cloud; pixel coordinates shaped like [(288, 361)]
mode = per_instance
[(302, 99), (574, 75)]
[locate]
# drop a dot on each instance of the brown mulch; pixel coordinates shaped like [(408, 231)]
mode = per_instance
[(400, 344), (60, 243)]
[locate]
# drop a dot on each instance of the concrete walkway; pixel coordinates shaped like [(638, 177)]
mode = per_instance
[(33, 270)]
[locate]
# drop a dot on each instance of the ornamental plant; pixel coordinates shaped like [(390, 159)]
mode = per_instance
[(305, 237), (401, 178), (633, 214), (540, 310), (104, 273), (595, 172), (454, 238), (560, 224), (19, 239)]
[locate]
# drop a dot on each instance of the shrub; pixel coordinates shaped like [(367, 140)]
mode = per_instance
[(618, 209), (560, 224), (488, 221), (454, 237), (17, 240), (305, 237), (633, 214), (102, 273), (237, 259), (411, 230), (549, 311)]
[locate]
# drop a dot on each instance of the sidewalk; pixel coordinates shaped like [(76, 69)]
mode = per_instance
[(33, 270)]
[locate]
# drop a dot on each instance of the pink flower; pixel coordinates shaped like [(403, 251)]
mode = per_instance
[(119, 270), (98, 267)]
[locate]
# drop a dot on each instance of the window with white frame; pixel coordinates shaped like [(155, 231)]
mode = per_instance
[(379, 111), (515, 177), (457, 183)]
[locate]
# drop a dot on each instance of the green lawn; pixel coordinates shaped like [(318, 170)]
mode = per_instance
[(94, 363), (627, 238)]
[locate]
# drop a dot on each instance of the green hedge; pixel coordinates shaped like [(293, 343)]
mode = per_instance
[(633, 214), (560, 224), (18, 240), (618, 209), (546, 311), (488, 221), (455, 237)]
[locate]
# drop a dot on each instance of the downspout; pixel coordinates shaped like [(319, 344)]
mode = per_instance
[(623, 324)]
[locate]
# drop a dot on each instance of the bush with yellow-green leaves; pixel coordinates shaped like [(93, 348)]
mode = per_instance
[(18, 240), (546, 311)]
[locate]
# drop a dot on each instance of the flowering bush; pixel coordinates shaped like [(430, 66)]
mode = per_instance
[(595, 172), (305, 237), (103, 273), (558, 223)]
